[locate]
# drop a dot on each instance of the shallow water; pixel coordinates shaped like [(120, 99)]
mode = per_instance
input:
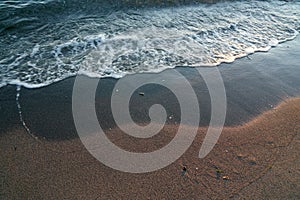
[(42, 42)]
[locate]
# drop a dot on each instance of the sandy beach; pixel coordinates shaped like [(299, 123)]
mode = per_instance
[(260, 158), (255, 158), (131, 99)]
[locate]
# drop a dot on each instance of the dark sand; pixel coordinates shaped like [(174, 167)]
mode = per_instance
[(260, 157), (252, 86)]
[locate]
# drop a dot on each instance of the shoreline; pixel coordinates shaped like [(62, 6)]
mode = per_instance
[(252, 86), (51, 146), (94, 75), (258, 148)]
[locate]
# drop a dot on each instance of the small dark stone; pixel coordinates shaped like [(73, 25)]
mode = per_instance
[(252, 162)]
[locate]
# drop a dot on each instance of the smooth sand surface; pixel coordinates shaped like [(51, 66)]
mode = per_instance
[(260, 157)]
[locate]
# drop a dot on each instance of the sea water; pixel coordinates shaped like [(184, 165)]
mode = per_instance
[(42, 42)]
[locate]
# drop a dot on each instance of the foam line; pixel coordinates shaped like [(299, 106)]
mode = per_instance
[(18, 93)]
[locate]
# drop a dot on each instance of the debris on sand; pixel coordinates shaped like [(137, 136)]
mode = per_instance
[(252, 161), (225, 178), (184, 170), (240, 156), (218, 173)]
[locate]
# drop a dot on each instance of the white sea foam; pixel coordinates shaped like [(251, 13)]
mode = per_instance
[(146, 40), (35, 50)]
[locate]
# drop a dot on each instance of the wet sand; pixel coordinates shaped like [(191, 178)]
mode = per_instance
[(258, 152), (259, 157), (253, 85)]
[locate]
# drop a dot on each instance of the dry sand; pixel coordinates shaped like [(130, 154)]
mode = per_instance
[(260, 158)]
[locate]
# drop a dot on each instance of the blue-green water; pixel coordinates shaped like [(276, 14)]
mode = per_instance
[(42, 42)]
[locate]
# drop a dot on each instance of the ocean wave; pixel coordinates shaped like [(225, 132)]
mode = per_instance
[(38, 52)]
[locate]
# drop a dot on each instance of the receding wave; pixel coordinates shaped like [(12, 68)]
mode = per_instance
[(37, 50)]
